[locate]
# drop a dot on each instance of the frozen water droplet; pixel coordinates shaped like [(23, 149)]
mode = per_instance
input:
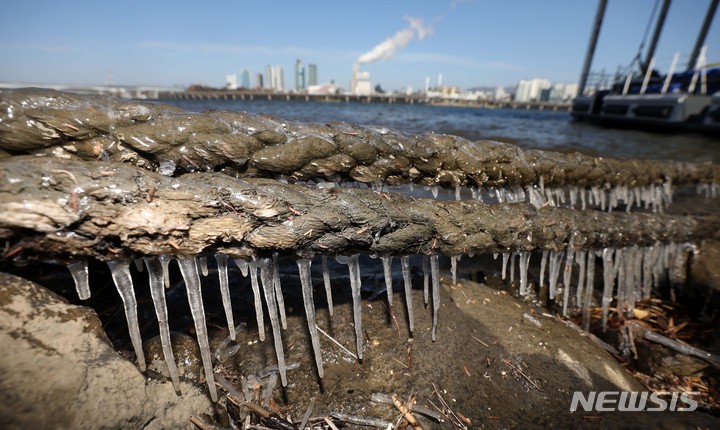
[(268, 286), (306, 283), (355, 286), (253, 266), (426, 278), (202, 263), (543, 264), (157, 283), (326, 281), (222, 261), (80, 273), (453, 267), (524, 264), (278, 290), (165, 263), (505, 257), (434, 190), (188, 269), (407, 281), (387, 271), (435, 269), (120, 271)]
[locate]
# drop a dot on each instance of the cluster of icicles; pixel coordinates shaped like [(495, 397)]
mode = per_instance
[(650, 197), (269, 280)]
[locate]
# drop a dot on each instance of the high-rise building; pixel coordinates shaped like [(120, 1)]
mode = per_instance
[(245, 78), (299, 75), (275, 78), (259, 80), (530, 90), (231, 82), (312, 74)]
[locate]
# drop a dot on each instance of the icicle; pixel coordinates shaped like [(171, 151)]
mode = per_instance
[(387, 271), (253, 266), (555, 257), (307, 289), (155, 276), (189, 270), (512, 266), (138, 264), (326, 281), (543, 264), (457, 193), (278, 290), (505, 257), (647, 264), (581, 258), (524, 263), (165, 262), (407, 281), (608, 281), (589, 287), (80, 273), (583, 199), (268, 286), (453, 267), (355, 285), (222, 260), (567, 276), (434, 190), (202, 263), (426, 278), (120, 271), (474, 193), (620, 275), (435, 269), (542, 185)]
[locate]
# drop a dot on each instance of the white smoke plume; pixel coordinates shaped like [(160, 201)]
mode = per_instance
[(386, 49)]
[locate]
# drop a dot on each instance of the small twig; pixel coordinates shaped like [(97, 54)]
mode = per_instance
[(202, 425), (336, 342), (308, 412), (517, 369), (403, 364), (330, 423), (67, 173), (480, 341), (676, 345)]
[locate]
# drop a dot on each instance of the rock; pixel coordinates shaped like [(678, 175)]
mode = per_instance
[(58, 370), (185, 350)]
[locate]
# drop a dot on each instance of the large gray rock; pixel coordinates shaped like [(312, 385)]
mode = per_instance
[(58, 370)]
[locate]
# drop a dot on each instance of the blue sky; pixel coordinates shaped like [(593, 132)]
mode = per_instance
[(472, 43)]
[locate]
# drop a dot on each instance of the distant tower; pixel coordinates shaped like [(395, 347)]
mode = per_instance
[(259, 80), (245, 78), (440, 80), (427, 83), (231, 82), (299, 76), (312, 74), (268, 76)]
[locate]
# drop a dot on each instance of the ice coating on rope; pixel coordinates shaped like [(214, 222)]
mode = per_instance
[(426, 278), (567, 276), (222, 268), (189, 271), (505, 257), (120, 271), (203, 264), (387, 272), (165, 263), (80, 274), (355, 286), (253, 266), (524, 264), (407, 281), (326, 281), (453, 267), (268, 286), (306, 283), (157, 283), (435, 270), (278, 290)]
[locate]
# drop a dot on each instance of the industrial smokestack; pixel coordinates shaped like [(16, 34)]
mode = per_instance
[(386, 49)]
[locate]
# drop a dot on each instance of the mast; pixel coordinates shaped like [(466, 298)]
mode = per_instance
[(656, 35), (703, 33), (591, 46)]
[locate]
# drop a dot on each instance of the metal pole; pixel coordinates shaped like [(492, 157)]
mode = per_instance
[(591, 46), (647, 76), (656, 34), (669, 76), (703, 33)]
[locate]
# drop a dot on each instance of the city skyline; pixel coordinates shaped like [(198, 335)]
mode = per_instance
[(472, 43)]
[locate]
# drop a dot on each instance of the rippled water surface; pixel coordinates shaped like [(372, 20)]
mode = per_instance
[(530, 129)]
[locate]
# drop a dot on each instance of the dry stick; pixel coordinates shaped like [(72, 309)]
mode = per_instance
[(409, 417), (517, 369), (330, 423), (308, 412), (337, 343), (676, 345), (202, 425), (457, 420)]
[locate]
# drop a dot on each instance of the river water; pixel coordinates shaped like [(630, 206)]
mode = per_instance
[(525, 128)]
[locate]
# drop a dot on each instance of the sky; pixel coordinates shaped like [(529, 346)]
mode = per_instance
[(470, 42)]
